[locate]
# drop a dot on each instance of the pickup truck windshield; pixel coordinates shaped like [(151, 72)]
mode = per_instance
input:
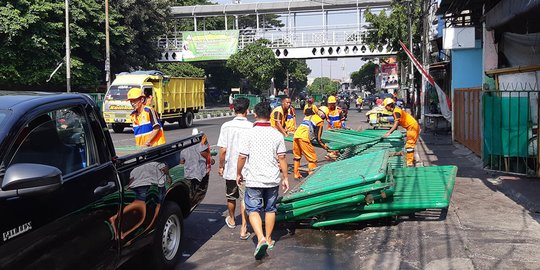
[(118, 92)]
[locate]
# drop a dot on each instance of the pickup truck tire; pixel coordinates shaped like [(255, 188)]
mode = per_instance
[(117, 128), (186, 120), (168, 236)]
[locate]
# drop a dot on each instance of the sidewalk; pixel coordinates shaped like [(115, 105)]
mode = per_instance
[(436, 149)]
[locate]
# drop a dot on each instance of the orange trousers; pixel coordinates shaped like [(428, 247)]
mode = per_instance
[(412, 136), (305, 148)]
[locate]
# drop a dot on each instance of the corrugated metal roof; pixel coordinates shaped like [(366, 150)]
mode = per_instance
[(273, 7)]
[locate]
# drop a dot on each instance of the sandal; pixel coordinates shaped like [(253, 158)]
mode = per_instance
[(232, 226), (245, 237), (260, 250), (271, 245)]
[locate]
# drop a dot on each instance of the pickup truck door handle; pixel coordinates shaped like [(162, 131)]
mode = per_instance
[(102, 190)]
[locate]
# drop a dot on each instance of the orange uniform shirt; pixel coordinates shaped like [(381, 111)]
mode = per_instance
[(405, 120)]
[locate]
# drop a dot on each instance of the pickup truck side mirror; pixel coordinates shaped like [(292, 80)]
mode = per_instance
[(29, 178)]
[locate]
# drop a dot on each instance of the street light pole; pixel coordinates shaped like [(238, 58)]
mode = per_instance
[(107, 50), (68, 51), (411, 76)]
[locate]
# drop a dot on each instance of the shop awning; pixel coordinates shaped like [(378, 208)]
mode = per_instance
[(507, 10)]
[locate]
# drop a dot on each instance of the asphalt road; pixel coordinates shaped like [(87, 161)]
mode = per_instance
[(207, 221), (483, 229)]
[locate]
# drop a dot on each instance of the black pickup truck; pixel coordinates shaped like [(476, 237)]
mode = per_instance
[(68, 202)]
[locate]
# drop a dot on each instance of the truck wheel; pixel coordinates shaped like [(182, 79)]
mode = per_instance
[(186, 120), (168, 236), (117, 128)]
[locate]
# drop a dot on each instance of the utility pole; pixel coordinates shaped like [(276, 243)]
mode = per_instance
[(107, 50), (411, 76), (288, 80), (68, 51)]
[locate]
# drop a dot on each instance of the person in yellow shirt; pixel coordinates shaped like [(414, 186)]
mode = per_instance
[(290, 122), (309, 130), (310, 104), (336, 117), (278, 117), (402, 118), (147, 127)]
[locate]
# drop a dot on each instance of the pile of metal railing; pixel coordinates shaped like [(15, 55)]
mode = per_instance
[(367, 182)]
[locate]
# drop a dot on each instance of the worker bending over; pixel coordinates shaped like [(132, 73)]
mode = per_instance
[(278, 117), (336, 117), (309, 130), (408, 122)]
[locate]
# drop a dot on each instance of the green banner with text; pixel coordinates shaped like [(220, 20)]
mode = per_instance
[(209, 45)]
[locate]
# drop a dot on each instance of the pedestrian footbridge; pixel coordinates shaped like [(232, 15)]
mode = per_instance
[(322, 40)]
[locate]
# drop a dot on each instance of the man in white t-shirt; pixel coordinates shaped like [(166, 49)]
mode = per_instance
[(228, 143), (262, 153)]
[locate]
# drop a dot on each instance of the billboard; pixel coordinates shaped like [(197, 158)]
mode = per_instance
[(209, 45), (389, 76)]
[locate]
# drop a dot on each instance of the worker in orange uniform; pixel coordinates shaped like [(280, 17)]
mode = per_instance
[(336, 118), (147, 127), (279, 116), (309, 130), (290, 122), (408, 122)]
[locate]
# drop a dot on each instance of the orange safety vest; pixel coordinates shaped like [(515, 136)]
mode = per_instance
[(334, 117), (405, 120), (143, 125), (278, 115)]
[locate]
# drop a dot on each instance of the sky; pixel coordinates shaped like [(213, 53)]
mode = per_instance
[(337, 68)]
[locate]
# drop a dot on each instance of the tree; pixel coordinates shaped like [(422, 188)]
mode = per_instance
[(365, 76), (298, 72), (323, 85), (181, 70), (256, 63), (391, 26), (33, 38)]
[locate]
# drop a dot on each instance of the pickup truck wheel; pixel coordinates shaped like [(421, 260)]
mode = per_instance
[(117, 128), (186, 120), (168, 236)]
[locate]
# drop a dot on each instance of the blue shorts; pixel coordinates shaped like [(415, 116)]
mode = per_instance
[(259, 199)]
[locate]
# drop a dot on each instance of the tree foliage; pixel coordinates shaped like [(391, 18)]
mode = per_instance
[(391, 26), (298, 72), (365, 76), (256, 63), (33, 39), (181, 70), (323, 85)]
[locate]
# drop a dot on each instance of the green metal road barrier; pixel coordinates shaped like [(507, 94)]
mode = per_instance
[(338, 175), (416, 189), (253, 99), (98, 98)]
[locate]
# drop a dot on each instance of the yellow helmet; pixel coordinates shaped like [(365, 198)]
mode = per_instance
[(135, 93), (388, 101), (332, 99)]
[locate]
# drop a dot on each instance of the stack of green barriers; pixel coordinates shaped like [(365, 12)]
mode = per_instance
[(351, 143), (366, 187)]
